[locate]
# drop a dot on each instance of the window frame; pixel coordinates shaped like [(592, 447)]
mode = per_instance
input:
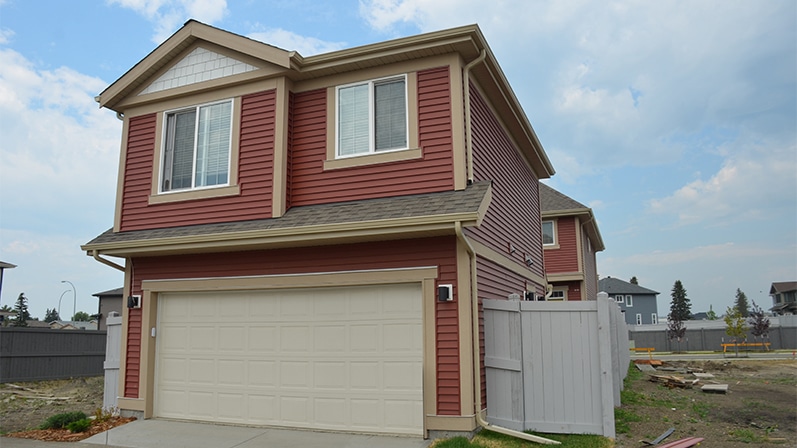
[(164, 141), (629, 301), (619, 299), (563, 298), (372, 83), (639, 318), (553, 233), (654, 318)]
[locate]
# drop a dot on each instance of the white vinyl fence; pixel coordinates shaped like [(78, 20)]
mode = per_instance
[(555, 367), (113, 349)]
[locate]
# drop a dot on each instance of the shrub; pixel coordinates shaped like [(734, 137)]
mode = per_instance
[(60, 421), (79, 426)]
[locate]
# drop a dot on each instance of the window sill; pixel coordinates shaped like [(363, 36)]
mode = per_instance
[(233, 190), (372, 159), (550, 246)]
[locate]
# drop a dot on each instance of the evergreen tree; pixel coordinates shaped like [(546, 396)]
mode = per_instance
[(711, 315), (51, 315), (741, 303), (680, 307), (81, 316), (634, 281), (21, 309)]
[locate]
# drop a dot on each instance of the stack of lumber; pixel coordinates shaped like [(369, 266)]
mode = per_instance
[(672, 381)]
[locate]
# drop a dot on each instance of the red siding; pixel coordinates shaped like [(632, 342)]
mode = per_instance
[(310, 184), (514, 214), (565, 258), (440, 252), (255, 174)]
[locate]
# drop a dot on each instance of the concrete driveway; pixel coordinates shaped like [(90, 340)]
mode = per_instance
[(164, 433)]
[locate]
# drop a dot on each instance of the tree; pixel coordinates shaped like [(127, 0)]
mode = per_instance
[(759, 323), (81, 316), (676, 330), (21, 309), (734, 326), (741, 303), (4, 320), (634, 281), (711, 315), (680, 307), (51, 315)]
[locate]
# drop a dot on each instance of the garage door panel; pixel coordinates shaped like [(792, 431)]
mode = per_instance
[(334, 358)]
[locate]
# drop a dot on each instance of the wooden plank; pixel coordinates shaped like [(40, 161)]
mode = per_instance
[(702, 375), (683, 443)]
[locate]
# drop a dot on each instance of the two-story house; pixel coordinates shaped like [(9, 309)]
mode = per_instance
[(570, 239), (784, 297), (306, 240), (637, 303)]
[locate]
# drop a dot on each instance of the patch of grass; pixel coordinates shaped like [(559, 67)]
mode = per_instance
[(701, 409), (490, 439), (746, 436), (60, 421), (622, 418)]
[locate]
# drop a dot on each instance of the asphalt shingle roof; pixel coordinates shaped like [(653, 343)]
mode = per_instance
[(552, 200), (616, 286), (397, 207)]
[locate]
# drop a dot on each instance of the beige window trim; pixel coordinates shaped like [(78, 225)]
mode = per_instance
[(232, 189), (414, 151), (554, 224)]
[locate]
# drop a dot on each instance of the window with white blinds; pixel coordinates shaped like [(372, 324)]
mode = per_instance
[(196, 151), (372, 117)]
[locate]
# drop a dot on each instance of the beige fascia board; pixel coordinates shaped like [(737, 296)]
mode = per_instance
[(585, 212), (464, 37), (566, 277), (295, 235)]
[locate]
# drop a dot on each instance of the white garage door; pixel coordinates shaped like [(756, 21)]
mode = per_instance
[(345, 359)]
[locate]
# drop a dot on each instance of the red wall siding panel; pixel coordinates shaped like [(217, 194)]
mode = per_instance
[(255, 174), (440, 252), (565, 258), (514, 214), (310, 184)]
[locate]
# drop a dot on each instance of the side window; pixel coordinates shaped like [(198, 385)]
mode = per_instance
[(548, 233), (196, 147), (654, 318), (619, 299), (558, 294), (372, 117), (629, 301), (639, 319)]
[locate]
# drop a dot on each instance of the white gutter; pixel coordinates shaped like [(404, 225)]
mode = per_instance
[(468, 143), (476, 368)]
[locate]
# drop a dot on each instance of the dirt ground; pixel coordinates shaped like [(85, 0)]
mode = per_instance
[(760, 408), (29, 404)]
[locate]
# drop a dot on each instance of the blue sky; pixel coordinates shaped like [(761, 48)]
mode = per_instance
[(676, 121)]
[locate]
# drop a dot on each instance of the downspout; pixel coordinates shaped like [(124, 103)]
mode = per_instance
[(476, 368), (468, 143), (96, 254)]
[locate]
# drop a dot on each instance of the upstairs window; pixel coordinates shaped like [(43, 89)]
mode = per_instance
[(548, 234), (372, 117), (196, 152), (629, 301)]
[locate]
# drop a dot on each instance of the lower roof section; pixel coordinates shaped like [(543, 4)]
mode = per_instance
[(397, 217)]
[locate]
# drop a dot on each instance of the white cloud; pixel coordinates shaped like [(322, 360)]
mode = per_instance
[(168, 15), (754, 183), (287, 40), (6, 35)]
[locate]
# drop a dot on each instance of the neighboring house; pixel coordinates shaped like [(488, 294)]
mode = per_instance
[(73, 325), (700, 316), (109, 301), (637, 303), (570, 239), (784, 298), (306, 239)]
